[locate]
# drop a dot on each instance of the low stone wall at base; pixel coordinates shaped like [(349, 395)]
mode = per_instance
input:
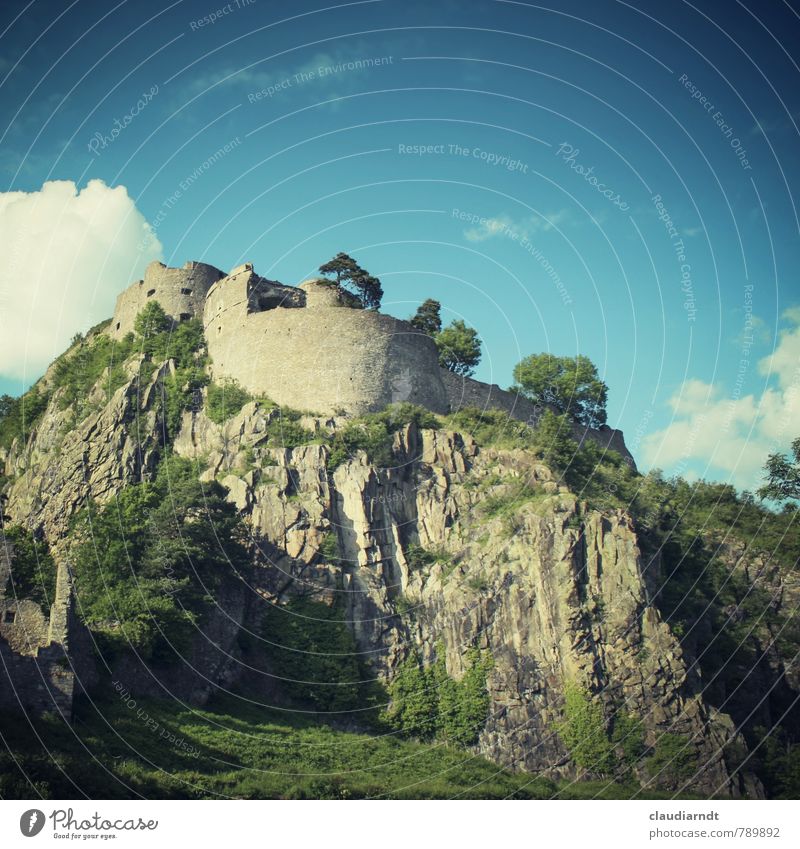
[(36, 684)]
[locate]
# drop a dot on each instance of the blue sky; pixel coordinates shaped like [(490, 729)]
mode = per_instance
[(603, 178)]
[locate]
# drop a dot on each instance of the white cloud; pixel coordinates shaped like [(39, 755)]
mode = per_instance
[(66, 255), (721, 434), (503, 225)]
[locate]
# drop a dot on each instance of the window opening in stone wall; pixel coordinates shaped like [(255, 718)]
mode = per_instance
[(151, 293), (186, 291), (10, 617), (185, 316)]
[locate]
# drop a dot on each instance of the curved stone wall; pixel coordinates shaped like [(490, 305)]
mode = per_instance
[(322, 357), (180, 291)]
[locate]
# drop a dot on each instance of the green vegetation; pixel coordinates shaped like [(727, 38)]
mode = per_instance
[(349, 275), (777, 763), (673, 761), (33, 572), (583, 731), (314, 656), (516, 493), (374, 432), (428, 317), (235, 749), (627, 739), (147, 564), (285, 431), (77, 371), (428, 703), (783, 476), (159, 340), (459, 348), (224, 400), (19, 416), (98, 360), (421, 559), (570, 384), (329, 548)]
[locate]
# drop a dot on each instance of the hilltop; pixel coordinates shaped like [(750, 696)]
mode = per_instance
[(258, 497)]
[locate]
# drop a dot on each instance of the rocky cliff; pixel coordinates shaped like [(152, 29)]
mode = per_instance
[(447, 547)]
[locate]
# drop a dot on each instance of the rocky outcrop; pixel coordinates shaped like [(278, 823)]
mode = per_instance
[(449, 546), (65, 462), (520, 568)]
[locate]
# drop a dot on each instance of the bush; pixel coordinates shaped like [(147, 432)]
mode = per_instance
[(314, 655), (224, 400), (374, 434), (33, 571), (285, 431), (184, 343), (427, 702), (19, 416), (673, 761), (583, 731), (627, 738), (329, 547), (147, 564), (77, 371)]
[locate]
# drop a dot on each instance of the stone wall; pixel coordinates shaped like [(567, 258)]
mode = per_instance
[(305, 347), (324, 357), (466, 392), (180, 291), (37, 672)]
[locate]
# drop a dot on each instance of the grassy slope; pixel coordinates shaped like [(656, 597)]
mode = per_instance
[(234, 750)]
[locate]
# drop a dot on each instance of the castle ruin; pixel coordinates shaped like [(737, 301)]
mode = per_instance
[(36, 670), (307, 347)]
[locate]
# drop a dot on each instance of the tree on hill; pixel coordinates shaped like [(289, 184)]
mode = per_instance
[(459, 348), (428, 317), (783, 475), (350, 276), (151, 320), (570, 384)]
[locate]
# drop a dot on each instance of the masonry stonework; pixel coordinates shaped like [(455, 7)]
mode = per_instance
[(308, 347), (37, 674), (323, 357), (180, 291)]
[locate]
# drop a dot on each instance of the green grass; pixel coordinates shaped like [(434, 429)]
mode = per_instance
[(232, 749)]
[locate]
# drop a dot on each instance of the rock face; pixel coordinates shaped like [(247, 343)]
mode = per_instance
[(514, 564), (554, 592), (66, 461)]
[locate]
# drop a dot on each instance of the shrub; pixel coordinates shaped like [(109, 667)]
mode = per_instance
[(224, 400), (312, 650), (285, 431), (33, 571), (583, 731), (628, 738), (19, 416), (329, 547), (147, 563), (674, 760), (428, 702), (77, 371), (370, 435)]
